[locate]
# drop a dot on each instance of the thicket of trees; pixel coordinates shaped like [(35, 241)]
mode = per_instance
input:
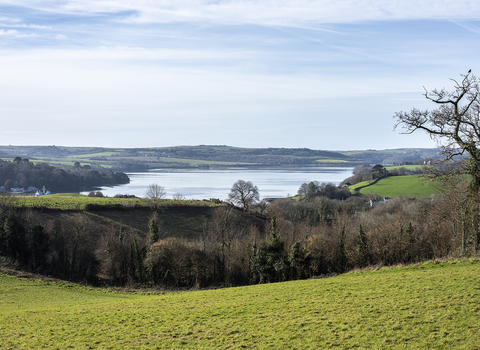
[(366, 172), (22, 173), (315, 189), (64, 248), (295, 239)]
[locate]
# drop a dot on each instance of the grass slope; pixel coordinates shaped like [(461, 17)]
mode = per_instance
[(395, 186), (426, 306), (359, 184), (177, 218), (76, 201), (406, 167)]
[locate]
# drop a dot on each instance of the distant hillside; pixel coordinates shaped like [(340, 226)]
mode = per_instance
[(139, 159), (391, 156)]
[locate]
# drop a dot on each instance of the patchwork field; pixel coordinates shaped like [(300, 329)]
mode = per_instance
[(434, 305)]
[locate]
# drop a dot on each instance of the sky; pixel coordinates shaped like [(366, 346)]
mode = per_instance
[(324, 74)]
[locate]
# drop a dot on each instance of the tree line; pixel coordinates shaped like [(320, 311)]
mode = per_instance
[(22, 173)]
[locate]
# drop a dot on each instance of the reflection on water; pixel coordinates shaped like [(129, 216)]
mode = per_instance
[(216, 183)]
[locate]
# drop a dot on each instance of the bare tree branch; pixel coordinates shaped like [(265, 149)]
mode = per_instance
[(454, 124)]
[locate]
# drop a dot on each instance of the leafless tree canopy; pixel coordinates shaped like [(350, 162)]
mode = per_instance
[(178, 196), (155, 191), (454, 124), (244, 193), (155, 195)]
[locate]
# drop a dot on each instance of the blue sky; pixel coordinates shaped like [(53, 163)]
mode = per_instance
[(317, 74)]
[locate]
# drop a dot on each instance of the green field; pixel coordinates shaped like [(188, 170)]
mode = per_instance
[(429, 306), (332, 161), (357, 185), (76, 201), (72, 201), (396, 186), (406, 167)]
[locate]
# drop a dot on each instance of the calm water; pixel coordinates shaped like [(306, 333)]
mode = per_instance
[(216, 183)]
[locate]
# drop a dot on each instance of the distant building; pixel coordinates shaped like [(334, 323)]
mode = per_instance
[(42, 192)]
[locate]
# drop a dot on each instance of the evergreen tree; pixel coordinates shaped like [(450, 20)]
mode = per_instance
[(297, 259), (154, 231), (13, 238), (39, 246), (362, 248), (267, 262), (342, 258)]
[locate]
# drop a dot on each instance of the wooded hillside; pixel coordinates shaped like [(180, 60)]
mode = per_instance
[(22, 173)]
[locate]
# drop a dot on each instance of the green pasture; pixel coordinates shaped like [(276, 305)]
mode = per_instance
[(396, 186), (406, 167), (72, 201), (429, 306), (98, 154), (77, 201), (357, 185), (332, 161), (49, 161)]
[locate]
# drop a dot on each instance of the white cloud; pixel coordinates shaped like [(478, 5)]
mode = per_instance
[(265, 12), (278, 12), (4, 32), (9, 20), (15, 33), (24, 26), (195, 80)]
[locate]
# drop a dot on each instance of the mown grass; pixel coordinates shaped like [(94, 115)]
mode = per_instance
[(431, 306), (395, 186)]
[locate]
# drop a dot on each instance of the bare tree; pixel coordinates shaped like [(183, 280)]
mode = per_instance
[(222, 230), (154, 194), (454, 124), (178, 196), (244, 193), (155, 191)]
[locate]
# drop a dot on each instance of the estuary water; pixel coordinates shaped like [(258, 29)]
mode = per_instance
[(216, 183)]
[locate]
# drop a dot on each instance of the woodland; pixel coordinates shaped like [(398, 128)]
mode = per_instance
[(21, 173)]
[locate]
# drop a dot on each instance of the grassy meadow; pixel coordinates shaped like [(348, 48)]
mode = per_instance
[(406, 167), (77, 201), (429, 306), (357, 185), (396, 186)]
